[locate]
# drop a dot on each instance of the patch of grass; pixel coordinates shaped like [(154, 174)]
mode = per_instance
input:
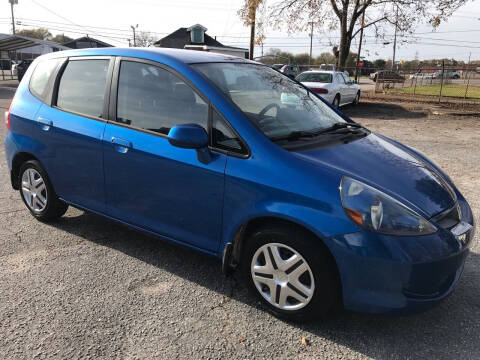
[(449, 90)]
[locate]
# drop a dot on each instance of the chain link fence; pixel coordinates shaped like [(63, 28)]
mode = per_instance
[(447, 83), (439, 83)]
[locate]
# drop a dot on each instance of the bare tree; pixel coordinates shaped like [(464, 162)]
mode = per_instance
[(344, 15), (145, 39)]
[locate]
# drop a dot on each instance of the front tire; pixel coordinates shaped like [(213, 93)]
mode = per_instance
[(336, 101), (357, 99), (291, 272), (37, 192)]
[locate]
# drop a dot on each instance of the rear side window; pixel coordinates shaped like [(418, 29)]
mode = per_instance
[(82, 87), (42, 77), (151, 98)]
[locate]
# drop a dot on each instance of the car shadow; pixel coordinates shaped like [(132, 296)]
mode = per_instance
[(383, 111), (450, 330)]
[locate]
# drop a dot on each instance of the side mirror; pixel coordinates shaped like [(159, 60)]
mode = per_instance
[(191, 136)]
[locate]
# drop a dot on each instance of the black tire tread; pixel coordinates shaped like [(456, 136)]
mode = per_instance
[(55, 207)]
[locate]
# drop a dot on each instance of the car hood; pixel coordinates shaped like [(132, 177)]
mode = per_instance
[(380, 163)]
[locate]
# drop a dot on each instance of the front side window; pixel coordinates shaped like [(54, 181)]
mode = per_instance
[(41, 77), (82, 87), (151, 98), (340, 79), (277, 105), (223, 137)]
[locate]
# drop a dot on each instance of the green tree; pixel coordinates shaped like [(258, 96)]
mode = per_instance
[(301, 59), (380, 64), (39, 33), (61, 38), (325, 58)]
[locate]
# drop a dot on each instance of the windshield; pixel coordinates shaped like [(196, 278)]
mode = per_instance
[(272, 101), (315, 77)]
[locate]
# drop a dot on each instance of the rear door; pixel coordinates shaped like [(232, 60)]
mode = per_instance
[(149, 182), (73, 127)]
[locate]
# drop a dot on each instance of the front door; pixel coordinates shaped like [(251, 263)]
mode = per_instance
[(343, 88), (149, 182)]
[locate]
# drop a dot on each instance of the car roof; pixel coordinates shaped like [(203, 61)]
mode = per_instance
[(153, 53)]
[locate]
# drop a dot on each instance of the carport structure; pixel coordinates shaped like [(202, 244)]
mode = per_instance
[(13, 43)]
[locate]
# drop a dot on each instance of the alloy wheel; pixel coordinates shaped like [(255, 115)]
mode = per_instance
[(34, 190), (282, 276)]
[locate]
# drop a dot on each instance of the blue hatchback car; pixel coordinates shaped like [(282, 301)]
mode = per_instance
[(237, 160)]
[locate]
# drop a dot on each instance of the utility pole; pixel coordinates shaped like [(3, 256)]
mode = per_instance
[(395, 40), (311, 41), (360, 45), (13, 2), (134, 36)]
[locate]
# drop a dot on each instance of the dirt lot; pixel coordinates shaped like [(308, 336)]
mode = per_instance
[(85, 287)]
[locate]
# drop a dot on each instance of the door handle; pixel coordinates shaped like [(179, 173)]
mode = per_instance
[(45, 123), (121, 145)]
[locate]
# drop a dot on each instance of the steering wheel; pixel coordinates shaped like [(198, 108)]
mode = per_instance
[(262, 113)]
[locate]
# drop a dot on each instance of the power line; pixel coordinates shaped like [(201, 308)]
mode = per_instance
[(60, 23), (80, 32), (238, 36), (60, 16)]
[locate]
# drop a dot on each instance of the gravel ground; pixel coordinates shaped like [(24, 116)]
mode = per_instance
[(85, 287)]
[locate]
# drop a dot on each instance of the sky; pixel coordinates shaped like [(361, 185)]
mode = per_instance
[(110, 21)]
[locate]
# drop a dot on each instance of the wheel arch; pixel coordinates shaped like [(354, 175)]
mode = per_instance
[(19, 159), (234, 249)]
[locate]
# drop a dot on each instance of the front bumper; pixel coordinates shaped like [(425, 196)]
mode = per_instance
[(400, 275)]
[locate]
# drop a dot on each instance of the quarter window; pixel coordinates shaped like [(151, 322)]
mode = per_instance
[(82, 87), (223, 137), (41, 77), (154, 99)]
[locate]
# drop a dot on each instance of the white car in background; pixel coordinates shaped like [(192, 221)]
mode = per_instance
[(334, 86)]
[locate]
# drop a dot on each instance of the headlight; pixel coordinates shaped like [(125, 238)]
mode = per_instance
[(376, 211)]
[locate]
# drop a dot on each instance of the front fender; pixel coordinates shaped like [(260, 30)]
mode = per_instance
[(319, 222)]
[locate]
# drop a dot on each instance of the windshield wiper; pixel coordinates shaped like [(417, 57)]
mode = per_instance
[(298, 134), (339, 126), (295, 135)]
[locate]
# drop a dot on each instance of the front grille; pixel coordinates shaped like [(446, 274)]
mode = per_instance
[(449, 218)]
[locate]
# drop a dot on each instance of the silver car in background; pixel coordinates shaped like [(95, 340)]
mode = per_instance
[(334, 86)]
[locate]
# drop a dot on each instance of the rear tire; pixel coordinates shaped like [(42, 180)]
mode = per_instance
[(37, 192), (336, 101), (301, 283)]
